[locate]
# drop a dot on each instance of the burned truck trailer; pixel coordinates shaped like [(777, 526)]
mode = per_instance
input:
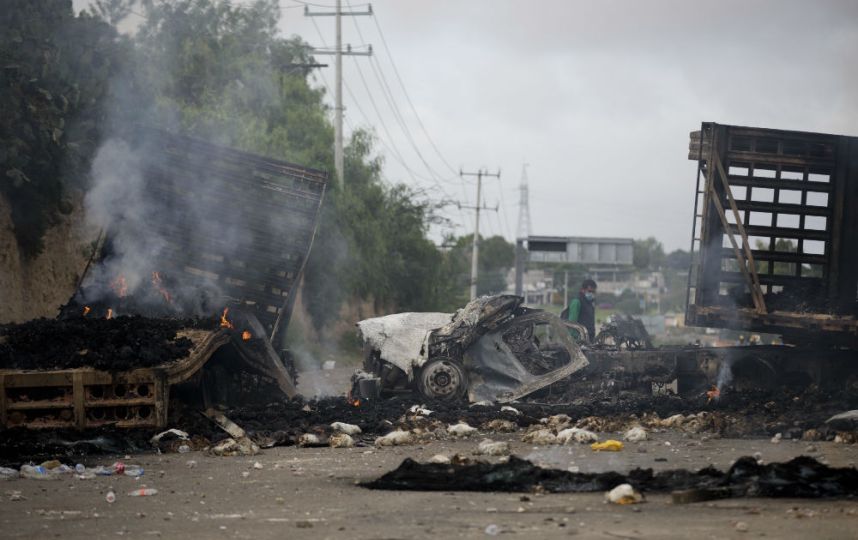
[(209, 234), (776, 215)]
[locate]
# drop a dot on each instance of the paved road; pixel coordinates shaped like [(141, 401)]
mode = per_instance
[(311, 493)]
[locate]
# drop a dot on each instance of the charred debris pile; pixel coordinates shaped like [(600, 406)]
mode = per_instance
[(283, 422), (801, 477), (118, 343)]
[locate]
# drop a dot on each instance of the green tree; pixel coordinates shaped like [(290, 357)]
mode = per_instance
[(56, 73), (648, 254), (496, 257)]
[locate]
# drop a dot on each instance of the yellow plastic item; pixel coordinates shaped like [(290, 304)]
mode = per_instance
[(608, 446)]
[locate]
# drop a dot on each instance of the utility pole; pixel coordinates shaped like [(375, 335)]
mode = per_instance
[(522, 233), (338, 90), (565, 288), (475, 253)]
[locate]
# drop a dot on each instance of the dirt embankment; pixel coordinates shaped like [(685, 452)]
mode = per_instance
[(38, 287)]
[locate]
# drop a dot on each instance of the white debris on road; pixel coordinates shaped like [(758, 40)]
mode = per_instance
[(395, 438), (623, 494), (461, 430), (488, 447), (341, 440), (635, 434), (348, 429), (577, 435), (540, 436)]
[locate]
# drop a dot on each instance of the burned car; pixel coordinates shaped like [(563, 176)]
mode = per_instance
[(493, 349)]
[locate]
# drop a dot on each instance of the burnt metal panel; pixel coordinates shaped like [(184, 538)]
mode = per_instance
[(797, 196)]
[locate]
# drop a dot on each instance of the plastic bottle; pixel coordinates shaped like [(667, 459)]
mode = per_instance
[(37, 472), (143, 492), (110, 497), (119, 467), (101, 470), (134, 471)]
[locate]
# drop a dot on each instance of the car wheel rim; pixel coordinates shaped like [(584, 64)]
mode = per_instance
[(442, 379)]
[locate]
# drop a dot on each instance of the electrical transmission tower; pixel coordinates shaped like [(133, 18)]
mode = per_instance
[(523, 231), (338, 90), (523, 207)]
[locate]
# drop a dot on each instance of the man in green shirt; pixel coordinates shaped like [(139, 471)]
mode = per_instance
[(582, 309)]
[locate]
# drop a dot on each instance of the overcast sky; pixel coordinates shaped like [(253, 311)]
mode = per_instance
[(598, 97)]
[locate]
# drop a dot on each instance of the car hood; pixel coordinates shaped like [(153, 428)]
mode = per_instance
[(401, 338)]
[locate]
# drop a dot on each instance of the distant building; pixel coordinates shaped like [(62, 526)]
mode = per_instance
[(580, 249)]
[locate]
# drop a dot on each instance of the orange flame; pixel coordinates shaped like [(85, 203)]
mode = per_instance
[(109, 313), (86, 310), (246, 335), (224, 322), (120, 286), (353, 401), (715, 393), (156, 282)]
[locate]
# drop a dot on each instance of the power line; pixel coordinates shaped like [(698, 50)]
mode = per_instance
[(407, 97), (397, 114)]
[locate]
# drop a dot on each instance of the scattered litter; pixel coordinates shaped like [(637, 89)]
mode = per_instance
[(395, 438), (238, 444), (624, 494), (440, 459), (110, 497), (607, 446), (169, 434), (420, 409), (513, 410), (488, 447), (845, 421), (8, 474), (183, 449), (741, 526), (311, 440), (500, 425), (143, 492), (38, 472), (190, 464), (134, 471), (558, 421), (461, 429), (576, 435), (231, 447), (777, 438), (348, 429), (492, 530), (635, 434), (258, 466), (341, 440), (540, 436)]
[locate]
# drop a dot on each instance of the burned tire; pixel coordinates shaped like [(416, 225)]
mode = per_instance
[(443, 378)]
